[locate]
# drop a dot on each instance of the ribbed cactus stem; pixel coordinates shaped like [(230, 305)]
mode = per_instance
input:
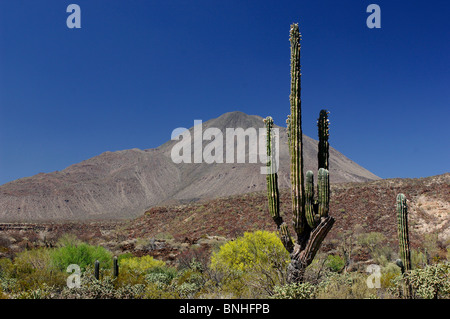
[(403, 240), (403, 236), (97, 270), (323, 194), (324, 133), (295, 134), (311, 217), (288, 131), (272, 176)]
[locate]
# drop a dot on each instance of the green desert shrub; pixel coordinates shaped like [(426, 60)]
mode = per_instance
[(105, 288), (418, 259), (44, 291), (371, 241), (167, 282), (389, 275), (189, 282), (154, 291), (3, 295), (188, 290), (34, 270), (29, 261), (294, 291), (6, 268), (345, 286), (383, 255), (335, 263), (161, 276), (431, 247), (81, 254), (431, 282), (7, 280)]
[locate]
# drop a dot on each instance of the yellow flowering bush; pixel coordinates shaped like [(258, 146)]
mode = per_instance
[(141, 264), (261, 248)]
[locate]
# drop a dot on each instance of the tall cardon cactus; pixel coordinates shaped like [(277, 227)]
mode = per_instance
[(310, 216)]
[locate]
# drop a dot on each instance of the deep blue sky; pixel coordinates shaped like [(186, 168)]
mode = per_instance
[(138, 69)]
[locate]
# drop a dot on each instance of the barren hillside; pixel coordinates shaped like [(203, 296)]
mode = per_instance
[(123, 184)]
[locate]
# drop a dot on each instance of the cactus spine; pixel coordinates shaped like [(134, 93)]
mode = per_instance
[(403, 240), (310, 218)]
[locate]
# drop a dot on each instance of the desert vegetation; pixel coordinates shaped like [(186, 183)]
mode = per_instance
[(254, 265), (230, 248)]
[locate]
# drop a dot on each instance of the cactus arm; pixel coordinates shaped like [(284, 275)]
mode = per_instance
[(311, 217), (272, 189), (272, 176), (323, 192), (323, 146)]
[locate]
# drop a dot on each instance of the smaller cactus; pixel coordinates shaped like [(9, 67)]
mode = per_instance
[(115, 267), (403, 241), (403, 236), (399, 263), (97, 270)]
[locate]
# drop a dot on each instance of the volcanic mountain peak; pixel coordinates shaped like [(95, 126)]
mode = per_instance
[(123, 184)]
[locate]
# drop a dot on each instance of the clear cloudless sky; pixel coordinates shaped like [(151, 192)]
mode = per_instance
[(138, 69)]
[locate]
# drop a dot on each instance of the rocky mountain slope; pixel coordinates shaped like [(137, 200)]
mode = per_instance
[(123, 184), (168, 231), (369, 206)]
